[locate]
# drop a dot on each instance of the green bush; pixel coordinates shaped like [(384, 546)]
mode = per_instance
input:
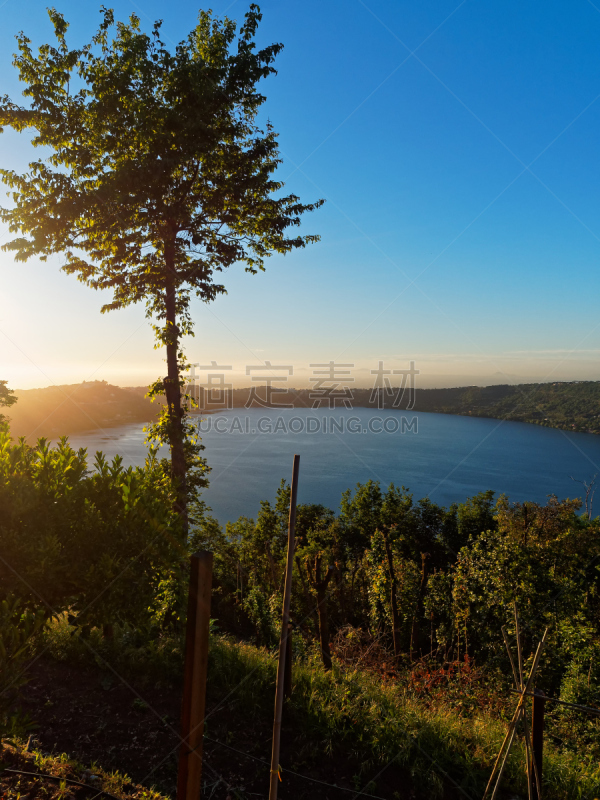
[(99, 543), (19, 627)]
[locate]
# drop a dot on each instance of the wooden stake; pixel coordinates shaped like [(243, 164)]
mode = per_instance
[(537, 742), (287, 595), (519, 689), (508, 739), (519, 653), (532, 775), (518, 686), (194, 682)]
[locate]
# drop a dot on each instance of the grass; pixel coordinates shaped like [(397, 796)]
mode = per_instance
[(348, 714), (375, 723), (19, 756)]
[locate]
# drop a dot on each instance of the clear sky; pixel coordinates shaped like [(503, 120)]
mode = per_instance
[(457, 147)]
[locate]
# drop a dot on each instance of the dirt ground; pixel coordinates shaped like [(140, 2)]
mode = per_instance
[(97, 719)]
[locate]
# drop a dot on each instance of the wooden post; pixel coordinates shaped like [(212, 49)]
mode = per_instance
[(194, 681), (287, 595), (537, 743)]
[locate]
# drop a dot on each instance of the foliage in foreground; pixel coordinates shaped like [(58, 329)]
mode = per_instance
[(19, 628), (427, 585), (424, 578), (353, 712), (78, 540), (349, 712), (18, 756)]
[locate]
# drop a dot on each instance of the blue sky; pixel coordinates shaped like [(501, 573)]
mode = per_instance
[(457, 148)]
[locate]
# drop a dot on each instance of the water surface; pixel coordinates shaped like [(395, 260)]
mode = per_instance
[(448, 459)]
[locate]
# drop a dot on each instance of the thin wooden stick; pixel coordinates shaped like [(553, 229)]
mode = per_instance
[(536, 661), (512, 663), (534, 667), (519, 652), (287, 595), (527, 743), (524, 715), (508, 736), (513, 722), (520, 660), (506, 754), (530, 756)]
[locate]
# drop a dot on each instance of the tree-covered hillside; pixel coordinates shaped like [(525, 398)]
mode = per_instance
[(61, 410), (571, 406)]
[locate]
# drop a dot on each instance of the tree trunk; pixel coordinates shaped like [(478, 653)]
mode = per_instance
[(308, 599), (271, 561), (393, 601), (415, 635), (341, 593), (320, 586), (324, 624), (173, 389)]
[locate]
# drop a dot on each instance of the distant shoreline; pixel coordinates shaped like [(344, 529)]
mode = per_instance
[(572, 406), (64, 410)]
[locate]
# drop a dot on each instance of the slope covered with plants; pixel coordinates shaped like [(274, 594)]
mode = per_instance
[(398, 606)]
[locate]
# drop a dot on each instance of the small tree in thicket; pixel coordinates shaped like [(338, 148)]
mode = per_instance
[(159, 177)]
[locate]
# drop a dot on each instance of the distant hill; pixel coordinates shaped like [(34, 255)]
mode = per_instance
[(61, 410), (573, 406)]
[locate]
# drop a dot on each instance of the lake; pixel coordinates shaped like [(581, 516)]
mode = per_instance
[(447, 458)]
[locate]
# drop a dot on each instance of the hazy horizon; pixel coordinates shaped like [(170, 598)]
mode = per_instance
[(434, 382)]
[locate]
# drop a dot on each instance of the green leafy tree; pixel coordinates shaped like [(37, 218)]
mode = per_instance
[(160, 176), (7, 398)]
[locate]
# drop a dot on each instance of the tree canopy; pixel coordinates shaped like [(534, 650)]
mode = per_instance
[(159, 174), (7, 397)]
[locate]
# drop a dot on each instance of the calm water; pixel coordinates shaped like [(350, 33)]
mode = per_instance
[(448, 459)]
